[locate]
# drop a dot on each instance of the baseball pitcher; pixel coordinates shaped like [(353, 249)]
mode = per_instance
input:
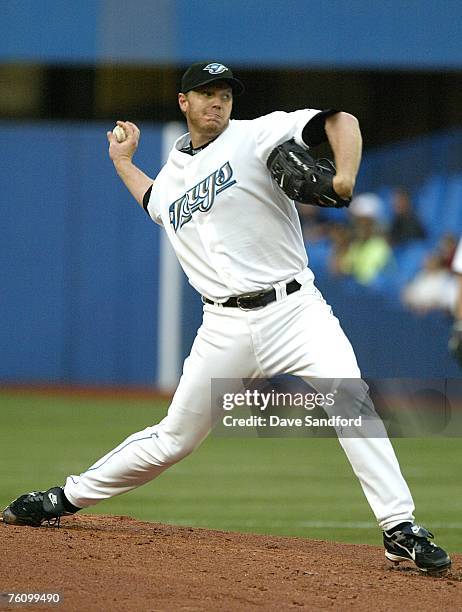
[(225, 197)]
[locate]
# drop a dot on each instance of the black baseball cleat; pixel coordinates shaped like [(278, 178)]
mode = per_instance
[(408, 542), (38, 507)]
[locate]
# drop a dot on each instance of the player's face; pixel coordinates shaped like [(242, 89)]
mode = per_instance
[(207, 109)]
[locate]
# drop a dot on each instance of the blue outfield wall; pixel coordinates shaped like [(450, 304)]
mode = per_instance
[(79, 260)]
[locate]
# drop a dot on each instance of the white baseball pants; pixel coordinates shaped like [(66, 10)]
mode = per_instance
[(298, 335)]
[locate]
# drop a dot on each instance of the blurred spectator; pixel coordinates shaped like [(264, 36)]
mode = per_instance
[(368, 252), (435, 286), (405, 224), (341, 237), (447, 249)]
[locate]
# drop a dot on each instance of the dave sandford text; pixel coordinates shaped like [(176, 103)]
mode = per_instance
[(262, 401)]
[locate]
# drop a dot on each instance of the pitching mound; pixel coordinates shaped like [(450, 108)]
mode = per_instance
[(100, 563)]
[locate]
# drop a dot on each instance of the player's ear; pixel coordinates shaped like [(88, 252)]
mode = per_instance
[(182, 102)]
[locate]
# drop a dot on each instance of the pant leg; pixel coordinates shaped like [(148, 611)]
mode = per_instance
[(310, 343), (222, 349)]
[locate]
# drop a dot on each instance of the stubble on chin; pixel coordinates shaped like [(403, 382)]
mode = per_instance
[(215, 128), (209, 129)]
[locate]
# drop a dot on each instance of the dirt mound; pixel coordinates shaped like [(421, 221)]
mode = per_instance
[(101, 563)]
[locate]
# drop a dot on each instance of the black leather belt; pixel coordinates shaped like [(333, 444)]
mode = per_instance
[(248, 301)]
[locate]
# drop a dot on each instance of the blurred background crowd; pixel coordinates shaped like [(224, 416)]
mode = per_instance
[(382, 243)]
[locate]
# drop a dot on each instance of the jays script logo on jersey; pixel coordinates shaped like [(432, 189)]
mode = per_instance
[(201, 197), (215, 68)]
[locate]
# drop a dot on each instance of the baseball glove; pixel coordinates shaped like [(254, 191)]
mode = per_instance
[(302, 178), (455, 342)]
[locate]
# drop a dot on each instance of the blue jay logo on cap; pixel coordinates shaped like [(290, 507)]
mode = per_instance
[(215, 68)]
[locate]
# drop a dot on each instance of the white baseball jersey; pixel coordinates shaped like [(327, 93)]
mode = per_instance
[(233, 230), (457, 261)]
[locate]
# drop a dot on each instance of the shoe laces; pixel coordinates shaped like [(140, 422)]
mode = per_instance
[(36, 497), (423, 545), (418, 539)]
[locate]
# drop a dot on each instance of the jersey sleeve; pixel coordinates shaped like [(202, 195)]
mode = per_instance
[(314, 132), (273, 129), (149, 205), (146, 198)]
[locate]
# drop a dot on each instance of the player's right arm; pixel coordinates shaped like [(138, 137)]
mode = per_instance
[(121, 153)]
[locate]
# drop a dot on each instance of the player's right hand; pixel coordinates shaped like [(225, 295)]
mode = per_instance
[(119, 151)]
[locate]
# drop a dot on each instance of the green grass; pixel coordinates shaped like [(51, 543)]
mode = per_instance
[(298, 487)]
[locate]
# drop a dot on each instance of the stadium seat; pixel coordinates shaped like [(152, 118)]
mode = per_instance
[(450, 220), (385, 193), (409, 259), (429, 201)]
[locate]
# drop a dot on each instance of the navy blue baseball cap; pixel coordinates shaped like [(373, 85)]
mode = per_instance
[(203, 73)]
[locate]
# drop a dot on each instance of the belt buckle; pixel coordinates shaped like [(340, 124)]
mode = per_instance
[(250, 296), (238, 302)]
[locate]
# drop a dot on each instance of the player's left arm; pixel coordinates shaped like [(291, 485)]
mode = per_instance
[(344, 136)]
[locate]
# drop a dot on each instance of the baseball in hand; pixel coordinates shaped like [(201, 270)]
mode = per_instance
[(119, 133)]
